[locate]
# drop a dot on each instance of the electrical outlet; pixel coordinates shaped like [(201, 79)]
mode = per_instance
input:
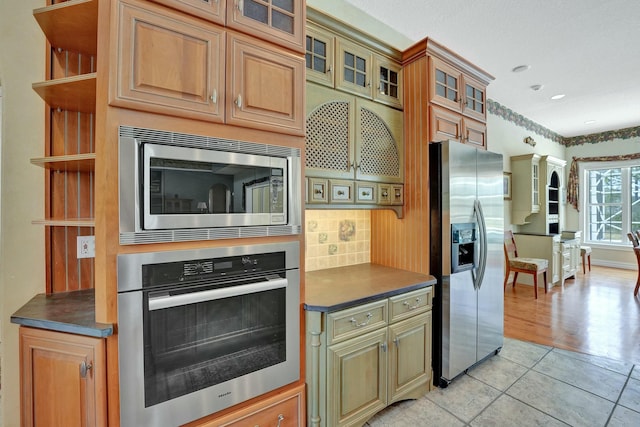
[(86, 247)]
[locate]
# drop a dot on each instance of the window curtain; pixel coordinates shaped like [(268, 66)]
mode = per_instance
[(574, 183)]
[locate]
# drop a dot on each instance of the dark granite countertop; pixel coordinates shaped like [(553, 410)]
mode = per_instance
[(72, 312), (338, 288)]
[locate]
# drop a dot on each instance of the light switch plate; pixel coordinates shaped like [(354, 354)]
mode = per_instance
[(86, 247)]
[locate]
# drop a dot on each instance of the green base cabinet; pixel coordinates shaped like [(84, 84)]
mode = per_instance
[(363, 358)]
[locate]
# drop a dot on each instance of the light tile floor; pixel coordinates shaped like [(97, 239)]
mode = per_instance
[(528, 385)]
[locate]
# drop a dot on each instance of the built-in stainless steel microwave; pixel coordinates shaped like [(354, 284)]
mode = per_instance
[(187, 187)]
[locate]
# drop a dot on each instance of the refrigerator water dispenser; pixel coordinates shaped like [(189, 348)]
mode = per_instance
[(464, 246)]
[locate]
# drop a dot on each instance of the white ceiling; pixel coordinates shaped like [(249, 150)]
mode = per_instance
[(588, 50)]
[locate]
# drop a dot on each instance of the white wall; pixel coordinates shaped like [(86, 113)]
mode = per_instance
[(508, 138), (22, 55)]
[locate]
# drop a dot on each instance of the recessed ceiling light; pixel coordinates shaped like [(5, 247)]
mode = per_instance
[(558, 96), (536, 87), (589, 122), (520, 68)]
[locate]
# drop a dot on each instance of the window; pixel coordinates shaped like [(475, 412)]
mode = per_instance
[(612, 202)]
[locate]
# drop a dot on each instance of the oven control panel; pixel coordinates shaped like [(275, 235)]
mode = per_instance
[(167, 273)]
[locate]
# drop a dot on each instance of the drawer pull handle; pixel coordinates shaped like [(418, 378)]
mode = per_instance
[(280, 419), (412, 307), (355, 323)]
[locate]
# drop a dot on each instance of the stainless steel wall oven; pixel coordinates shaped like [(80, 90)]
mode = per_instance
[(202, 330), (176, 187)]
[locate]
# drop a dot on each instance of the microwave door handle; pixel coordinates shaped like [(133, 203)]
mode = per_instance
[(160, 302)]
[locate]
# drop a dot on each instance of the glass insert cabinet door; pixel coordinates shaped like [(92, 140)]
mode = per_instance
[(278, 21)]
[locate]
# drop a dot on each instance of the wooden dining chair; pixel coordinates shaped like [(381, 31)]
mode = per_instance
[(636, 249), (533, 266)]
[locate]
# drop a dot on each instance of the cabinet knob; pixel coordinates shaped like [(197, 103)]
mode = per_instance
[(214, 96), (396, 341), (280, 419), (85, 368), (329, 70), (239, 101), (239, 5), (383, 346), (340, 193)]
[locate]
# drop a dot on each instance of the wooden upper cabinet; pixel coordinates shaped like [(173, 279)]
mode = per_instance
[(387, 78), (474, 99), (354, 66), (319, 56), (474, 133), (444, 124), (169, 63), (265, 86), (277, 21), (451, 88), (63, 379), (444, 87), (335, 61), (211, 10)]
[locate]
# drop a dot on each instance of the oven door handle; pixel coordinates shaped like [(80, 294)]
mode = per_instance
[(168, 301)]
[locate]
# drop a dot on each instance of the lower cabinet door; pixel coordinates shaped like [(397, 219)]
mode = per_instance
[(63, 379), (409, 355), (357, 378)]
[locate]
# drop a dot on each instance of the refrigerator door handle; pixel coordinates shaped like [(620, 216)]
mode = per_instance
[(478, 275)]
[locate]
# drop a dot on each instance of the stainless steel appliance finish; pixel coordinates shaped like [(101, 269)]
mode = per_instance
[(202, 330), (467, 229), (177, 187)]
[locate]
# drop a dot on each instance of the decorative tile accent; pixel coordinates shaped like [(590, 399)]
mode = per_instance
[(337, 238)]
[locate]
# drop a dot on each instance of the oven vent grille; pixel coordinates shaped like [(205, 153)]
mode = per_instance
[(207, 143), (185, 235)]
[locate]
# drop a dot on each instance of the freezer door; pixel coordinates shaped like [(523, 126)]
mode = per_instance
[(491, 291), (459, 298)]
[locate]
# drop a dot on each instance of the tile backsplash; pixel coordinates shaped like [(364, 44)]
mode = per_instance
[(336, 238)]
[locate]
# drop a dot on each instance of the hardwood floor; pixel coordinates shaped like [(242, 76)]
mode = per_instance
[(595, 313)]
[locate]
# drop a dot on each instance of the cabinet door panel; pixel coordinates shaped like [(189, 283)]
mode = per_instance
[(380, 142), (354, 65), (475, 133), (265, 86), (357, 378), (410, 355), (330, 137), (388, 81), (474, 97), (444, 87), (444, 124), (54, 393), (170, 64), (211, 10), (280, 22), (319, 56)]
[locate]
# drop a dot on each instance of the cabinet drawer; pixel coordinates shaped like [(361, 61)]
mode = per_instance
[(410, 304), (285, 410), (356, 321)]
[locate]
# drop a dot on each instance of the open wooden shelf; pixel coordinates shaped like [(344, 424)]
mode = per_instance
[(70, 25), (66, 222), (69, 163), (77, 93)]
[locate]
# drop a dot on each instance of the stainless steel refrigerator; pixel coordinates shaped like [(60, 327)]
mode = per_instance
[(467, 258)]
